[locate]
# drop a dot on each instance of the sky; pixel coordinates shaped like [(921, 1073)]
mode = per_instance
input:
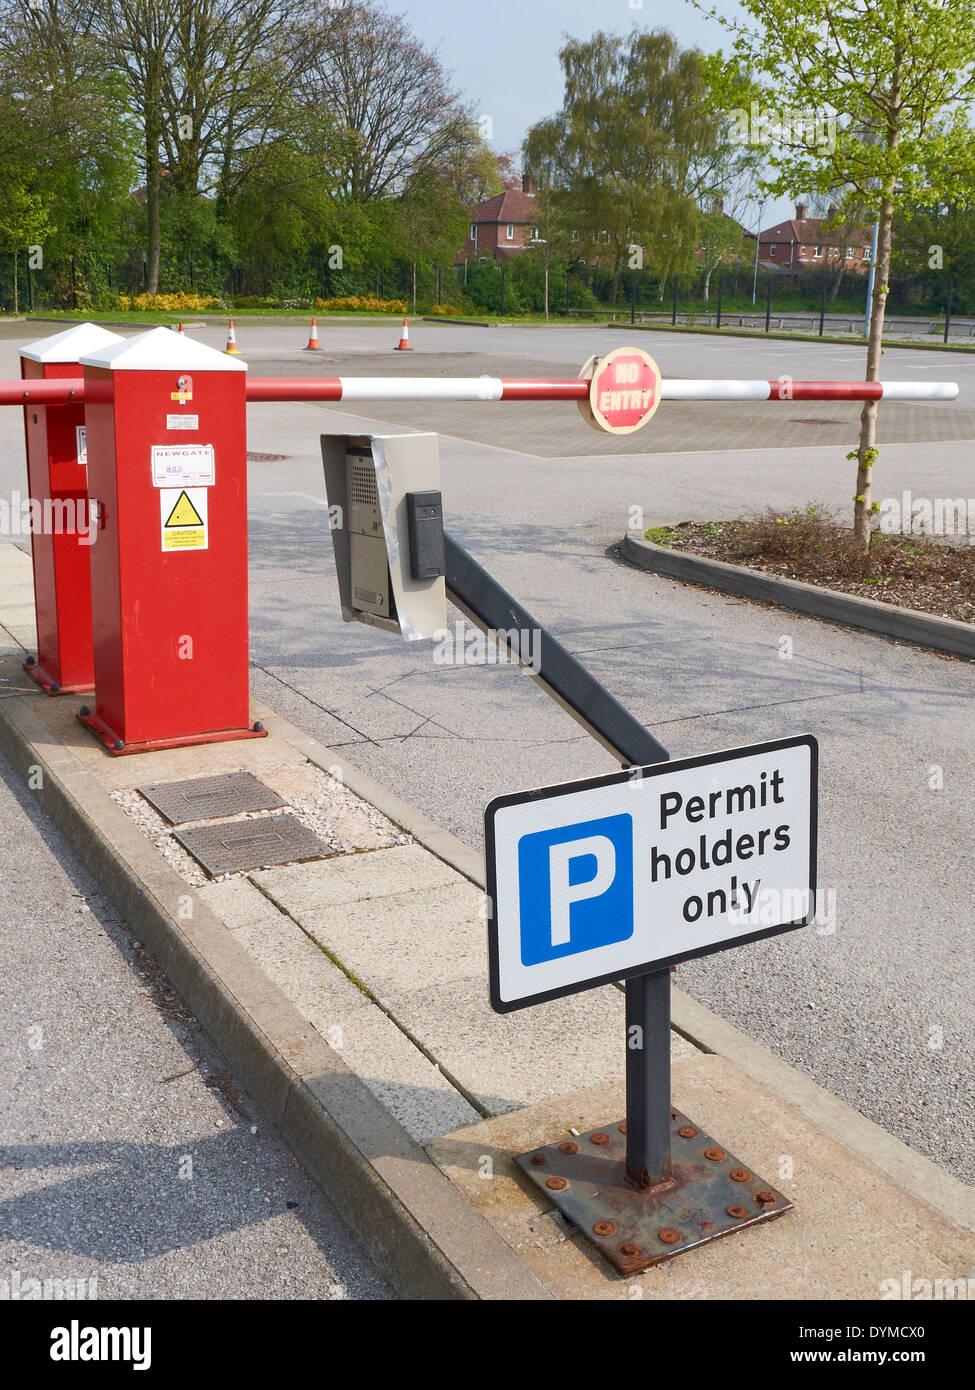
[(503, 54)]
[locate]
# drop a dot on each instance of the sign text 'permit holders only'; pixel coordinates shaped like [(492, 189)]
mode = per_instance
[(626, 874)]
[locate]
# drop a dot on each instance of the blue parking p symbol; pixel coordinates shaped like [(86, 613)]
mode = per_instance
[(575, 888)]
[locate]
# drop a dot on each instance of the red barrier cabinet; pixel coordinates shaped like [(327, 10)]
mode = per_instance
[(167, 462), (62, 533)]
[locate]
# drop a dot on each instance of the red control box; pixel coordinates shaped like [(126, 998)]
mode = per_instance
[(167, 462), (62, 527)]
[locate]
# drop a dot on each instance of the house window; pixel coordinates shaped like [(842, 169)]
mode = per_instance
[(866, 253), (574, 236), (473, 231), (802, 250), (511, 231), (533, 234), (771, 249), (848, 251), (818, 251)]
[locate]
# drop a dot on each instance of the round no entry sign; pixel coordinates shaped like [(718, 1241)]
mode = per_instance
[(624, 390)]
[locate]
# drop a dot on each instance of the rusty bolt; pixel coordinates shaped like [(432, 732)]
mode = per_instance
[(569, 1147), (740, 1175), (538, 1160), (630, 1248), (599, 1138), (669, 1236), (715, 1155), (605, 1228), (687, 1132), (556, 1184), (765, 1198), (623, 1127), (737, 1211)]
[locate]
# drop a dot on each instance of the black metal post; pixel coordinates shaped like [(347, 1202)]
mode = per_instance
[(30, 288), (673, 317), (951, 286), (633, 299), (822, 308), (768, 304), (718, 325), (491, 608), (648, 1161)]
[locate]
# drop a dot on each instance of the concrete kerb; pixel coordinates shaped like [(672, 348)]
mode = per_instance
[(418, 1227), (901, 624), (691, 1019)]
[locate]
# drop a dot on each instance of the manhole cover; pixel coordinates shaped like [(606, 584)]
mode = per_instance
[(211, 798), (266, 458), (237, 846)]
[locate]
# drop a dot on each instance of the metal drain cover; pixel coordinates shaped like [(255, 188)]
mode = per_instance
[(266, 458), (236, 846), (211, 798)]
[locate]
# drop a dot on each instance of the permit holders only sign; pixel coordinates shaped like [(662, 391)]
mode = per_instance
[(595, 881)]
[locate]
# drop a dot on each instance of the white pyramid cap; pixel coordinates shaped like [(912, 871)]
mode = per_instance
[(161, 350), (69, 345)]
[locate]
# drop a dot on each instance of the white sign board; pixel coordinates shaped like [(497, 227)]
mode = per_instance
[(183, 465), (594, 881)]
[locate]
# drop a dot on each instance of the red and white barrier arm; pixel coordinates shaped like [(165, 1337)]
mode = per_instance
[(487, 388)]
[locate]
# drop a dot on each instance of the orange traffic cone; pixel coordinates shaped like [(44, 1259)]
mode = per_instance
[(181, 329), (313, 344), (404, 343), (232, 347)]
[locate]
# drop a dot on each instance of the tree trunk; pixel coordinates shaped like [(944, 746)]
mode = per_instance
[(152, 186), (414, 287), (707, 283), (866, 452), (16, 299), (546, 287)]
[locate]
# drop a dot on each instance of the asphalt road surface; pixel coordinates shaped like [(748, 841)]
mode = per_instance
[(878, 1009), (128, 1156)]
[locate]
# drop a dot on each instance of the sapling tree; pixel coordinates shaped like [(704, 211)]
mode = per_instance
[(869, 96)]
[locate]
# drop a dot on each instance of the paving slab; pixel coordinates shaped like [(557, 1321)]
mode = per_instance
[(852, 1227)]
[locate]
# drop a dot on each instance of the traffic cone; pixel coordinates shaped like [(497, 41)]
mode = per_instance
[(232, 347), (313, 344), (404, 343), (181, 329)]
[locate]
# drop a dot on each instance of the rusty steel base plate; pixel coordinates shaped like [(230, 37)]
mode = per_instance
[(710, 1195)]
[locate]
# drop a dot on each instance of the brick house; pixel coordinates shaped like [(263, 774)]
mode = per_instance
[(802, 243), (503, 225)]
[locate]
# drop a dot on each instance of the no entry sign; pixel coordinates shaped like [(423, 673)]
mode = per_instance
[(599, 880), (624, 390)]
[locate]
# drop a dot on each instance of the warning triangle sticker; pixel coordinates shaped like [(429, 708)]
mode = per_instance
[(184, 513)]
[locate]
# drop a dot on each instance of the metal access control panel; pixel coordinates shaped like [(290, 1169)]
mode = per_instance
[(387, 530)]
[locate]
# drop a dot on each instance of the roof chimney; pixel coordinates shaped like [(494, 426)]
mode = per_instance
[(831, 210), (800, 212), (527, 186)]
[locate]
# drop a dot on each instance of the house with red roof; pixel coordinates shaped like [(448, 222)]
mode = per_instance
[(803, 243), (503, 225)]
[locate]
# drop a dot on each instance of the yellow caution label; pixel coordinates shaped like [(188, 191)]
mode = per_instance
[(183, 513)]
